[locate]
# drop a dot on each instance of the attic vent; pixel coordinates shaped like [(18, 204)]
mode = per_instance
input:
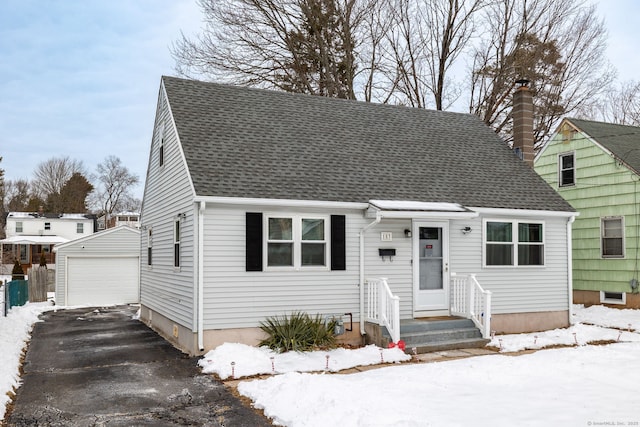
[(613, 297), (568, 133)]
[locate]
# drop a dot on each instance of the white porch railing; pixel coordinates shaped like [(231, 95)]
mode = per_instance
[(382, 307), (469, 300)]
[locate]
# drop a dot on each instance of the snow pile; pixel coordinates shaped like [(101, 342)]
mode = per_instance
[(248, 360), (575, 335), (626, 319), (15, 330)]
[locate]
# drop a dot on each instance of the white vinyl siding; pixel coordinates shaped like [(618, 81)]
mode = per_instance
[(168, 192)]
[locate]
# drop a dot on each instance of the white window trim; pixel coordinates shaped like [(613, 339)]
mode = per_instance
[(19, 223), (297, 242), (79, 227), (149, 246), (514, 242), (161, 147), (47, 226), (624, 243), (177, 235), (604, 300), (575, 178)]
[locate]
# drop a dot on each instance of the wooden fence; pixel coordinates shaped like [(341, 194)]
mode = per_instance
[(38, 284)]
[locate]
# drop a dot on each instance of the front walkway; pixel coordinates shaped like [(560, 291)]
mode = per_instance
[(98, 367)]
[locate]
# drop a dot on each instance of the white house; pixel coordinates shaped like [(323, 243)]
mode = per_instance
[(259, 203), (30, 234), (99, 269)]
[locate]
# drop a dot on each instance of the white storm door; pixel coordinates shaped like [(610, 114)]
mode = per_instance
[(430, 265)]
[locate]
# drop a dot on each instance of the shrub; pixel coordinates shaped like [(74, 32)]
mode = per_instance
[(43, 260), (17, 273), (298, 332)]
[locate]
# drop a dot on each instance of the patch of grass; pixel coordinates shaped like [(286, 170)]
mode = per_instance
[(298, 332)]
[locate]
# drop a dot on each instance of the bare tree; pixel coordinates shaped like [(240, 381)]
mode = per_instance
[(114, 182), (295, 45), (621, 105), (426, 39), (50, 176), (559, 46)]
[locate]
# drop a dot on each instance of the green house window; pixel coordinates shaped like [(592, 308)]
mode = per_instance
[(612, 237), (567, 170)]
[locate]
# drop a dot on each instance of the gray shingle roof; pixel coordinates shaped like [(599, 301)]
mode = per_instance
[(622, 140), (241, 142)]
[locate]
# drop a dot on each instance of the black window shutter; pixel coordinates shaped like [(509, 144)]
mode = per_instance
[(338, 240), (254, 241)]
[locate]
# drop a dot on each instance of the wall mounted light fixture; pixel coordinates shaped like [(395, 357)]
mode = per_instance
[(466, 230), (407, 232)]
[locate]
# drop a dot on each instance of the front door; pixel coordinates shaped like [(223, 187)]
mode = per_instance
[(431, 266)]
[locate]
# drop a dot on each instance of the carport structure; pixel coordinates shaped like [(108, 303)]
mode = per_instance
[(100, 269)]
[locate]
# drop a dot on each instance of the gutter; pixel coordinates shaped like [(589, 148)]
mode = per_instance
[(200, 285), (362, 231), (570, 221)]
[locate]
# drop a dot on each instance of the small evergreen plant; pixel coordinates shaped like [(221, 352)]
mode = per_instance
[(17, 273), (298, 332)]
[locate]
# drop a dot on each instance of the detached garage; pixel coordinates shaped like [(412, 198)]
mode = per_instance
[(100, 269)]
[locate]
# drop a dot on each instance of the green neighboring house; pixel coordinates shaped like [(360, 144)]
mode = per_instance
[(595, 166)]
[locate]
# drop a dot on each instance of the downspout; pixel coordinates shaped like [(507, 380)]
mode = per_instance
[(200, 308), (362, 231), (570, 264)]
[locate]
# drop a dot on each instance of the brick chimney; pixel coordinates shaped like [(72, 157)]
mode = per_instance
[(522, 114)]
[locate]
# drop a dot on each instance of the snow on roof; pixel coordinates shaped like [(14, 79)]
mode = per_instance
[(34, 240), (407, 205)]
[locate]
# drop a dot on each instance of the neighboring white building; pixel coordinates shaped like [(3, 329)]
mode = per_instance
[(30, 234), (131, 219)]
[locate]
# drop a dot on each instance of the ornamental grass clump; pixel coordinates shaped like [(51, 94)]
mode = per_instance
[(298, 332)]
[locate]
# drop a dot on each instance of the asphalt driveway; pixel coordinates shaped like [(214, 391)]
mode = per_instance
[(99, 367)]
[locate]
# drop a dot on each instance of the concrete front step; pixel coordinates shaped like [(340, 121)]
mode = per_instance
[(444, 335), (446, 345), (423, 336)]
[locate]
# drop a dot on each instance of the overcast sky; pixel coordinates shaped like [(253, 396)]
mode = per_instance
[(80, 78)]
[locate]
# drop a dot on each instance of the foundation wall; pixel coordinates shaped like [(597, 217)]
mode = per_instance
[(187, 341), (593, 297), (517, 323)]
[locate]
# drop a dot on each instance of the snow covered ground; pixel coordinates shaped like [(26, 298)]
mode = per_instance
[(582, 385)]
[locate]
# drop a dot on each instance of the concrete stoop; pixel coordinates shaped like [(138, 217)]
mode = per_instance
[(425, 336)]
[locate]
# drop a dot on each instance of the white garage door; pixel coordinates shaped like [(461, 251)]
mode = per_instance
[(102, 281)]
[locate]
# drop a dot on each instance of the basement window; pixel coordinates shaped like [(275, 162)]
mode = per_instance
[(613, 298)]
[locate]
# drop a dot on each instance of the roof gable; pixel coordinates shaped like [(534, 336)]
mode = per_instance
[(622, 141), (253, 143)]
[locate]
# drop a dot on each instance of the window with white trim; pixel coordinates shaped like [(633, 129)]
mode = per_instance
[(149, 246), (47, 226), (513, 243), (19, 227), (79, 228), (612, 237), (567, 169), (296, 241), (176, 243)]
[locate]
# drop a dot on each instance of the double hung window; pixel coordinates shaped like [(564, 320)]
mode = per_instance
[(567, 170), (513, 243), (296, 241), (612, 237)]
